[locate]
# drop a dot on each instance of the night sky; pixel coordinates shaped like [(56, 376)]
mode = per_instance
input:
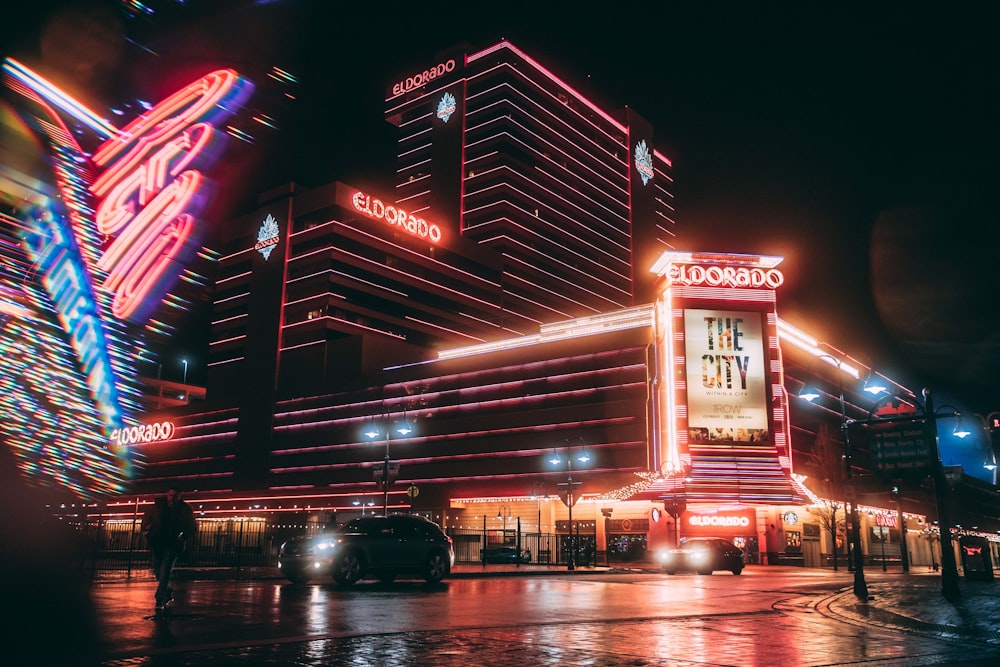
[(860, 144)]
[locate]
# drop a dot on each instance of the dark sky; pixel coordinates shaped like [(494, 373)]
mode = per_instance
[(860, 144)]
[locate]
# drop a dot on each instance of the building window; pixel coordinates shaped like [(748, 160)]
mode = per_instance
[(793, 538), (313, 314)]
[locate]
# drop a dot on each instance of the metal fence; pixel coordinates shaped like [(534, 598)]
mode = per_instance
[(117, 547)]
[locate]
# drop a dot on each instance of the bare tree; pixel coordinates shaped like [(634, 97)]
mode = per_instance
[(829, 455)]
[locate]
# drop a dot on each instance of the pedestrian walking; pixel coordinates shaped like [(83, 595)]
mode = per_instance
[(169, 526)]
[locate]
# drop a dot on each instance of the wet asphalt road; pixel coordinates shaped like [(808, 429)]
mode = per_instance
[(761, 618)]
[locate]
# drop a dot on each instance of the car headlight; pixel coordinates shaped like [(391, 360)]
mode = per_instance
[(699, 556), (326, 545)]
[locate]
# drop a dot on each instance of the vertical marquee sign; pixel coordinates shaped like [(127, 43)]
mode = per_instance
[(718, 408), (107, 251)]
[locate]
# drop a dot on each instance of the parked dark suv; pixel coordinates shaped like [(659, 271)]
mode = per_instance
[(704, 555), (384, 547)]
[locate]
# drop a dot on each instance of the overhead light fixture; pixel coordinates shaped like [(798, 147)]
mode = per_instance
[(808, 393), (960, 430), (875, 385)]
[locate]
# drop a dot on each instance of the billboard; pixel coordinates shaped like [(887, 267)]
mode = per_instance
[(726, 375)]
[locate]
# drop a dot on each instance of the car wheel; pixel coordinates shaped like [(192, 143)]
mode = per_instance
[(348, 568), (704, 572), (387, 577), (737, 571), (298, 576), (436, 567)]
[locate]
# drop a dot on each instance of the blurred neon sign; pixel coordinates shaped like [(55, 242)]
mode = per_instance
[(150, 191), (378, 210)]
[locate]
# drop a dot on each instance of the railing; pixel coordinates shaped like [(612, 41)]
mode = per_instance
[(118, 548)]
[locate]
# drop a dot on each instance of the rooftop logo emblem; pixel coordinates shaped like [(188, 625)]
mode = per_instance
[(446, 106), (267, 236), (643, 162)]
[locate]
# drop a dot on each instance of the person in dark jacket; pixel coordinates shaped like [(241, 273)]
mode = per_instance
[(169, 526)]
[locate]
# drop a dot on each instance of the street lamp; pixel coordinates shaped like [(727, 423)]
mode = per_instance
[(185, 362), (883, 533), (569, 498), (810, 395), (949, 568), (503, 513), (387, 473)]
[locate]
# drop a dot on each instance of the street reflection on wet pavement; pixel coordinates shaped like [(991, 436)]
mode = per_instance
[(541, 620)]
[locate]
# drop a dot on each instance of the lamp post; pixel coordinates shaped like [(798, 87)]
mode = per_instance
[(883, 532), (569, 498), (387, 473), (949, 568), (860, 585), (503, 513), (185, 362)]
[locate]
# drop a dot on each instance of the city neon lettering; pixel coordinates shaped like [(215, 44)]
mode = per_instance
[(378, 210), (422, 78), (724, 276)]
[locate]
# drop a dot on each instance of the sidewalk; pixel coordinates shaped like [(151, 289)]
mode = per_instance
[(914, 602)]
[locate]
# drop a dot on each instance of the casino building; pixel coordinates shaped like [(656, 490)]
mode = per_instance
[(518, 298)]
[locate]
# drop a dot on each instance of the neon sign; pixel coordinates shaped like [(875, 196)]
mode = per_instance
[(724, 276), (421, 78), (267, 236), (887, 520), (141, 434), (643, 162), (376, 209), (151, 190)]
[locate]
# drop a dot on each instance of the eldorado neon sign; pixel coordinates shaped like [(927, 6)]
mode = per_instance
[(420, 78), (724, 276), (392, 215)]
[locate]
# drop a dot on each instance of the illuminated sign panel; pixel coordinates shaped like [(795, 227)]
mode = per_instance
[(376, 209), (736, 521), (726, 375)]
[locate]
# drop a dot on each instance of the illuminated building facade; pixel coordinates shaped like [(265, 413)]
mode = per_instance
[(518, 294), (505, 301)]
